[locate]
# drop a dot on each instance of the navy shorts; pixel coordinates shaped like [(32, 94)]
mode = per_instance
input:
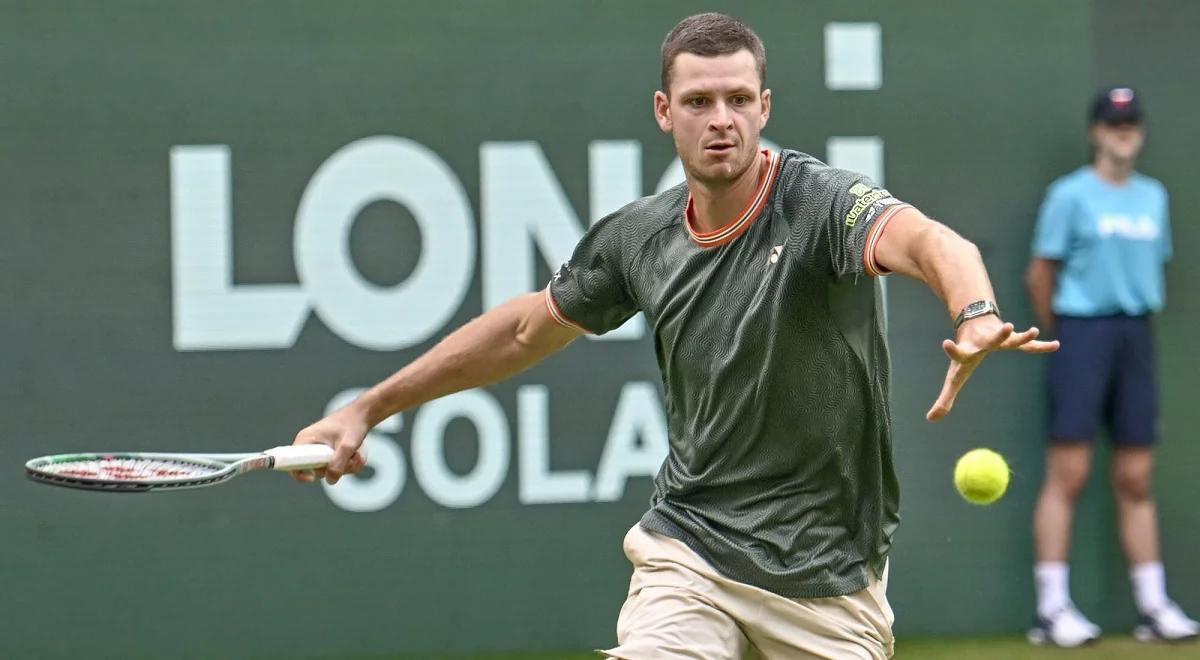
[(1104, 371)]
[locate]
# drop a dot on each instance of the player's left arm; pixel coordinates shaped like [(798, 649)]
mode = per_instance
[(929, 251)]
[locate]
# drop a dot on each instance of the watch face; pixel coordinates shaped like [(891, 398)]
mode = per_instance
[(977, 308)]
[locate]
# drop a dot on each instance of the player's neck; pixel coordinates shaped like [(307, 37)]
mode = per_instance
[(715, 206), (1114, 171)]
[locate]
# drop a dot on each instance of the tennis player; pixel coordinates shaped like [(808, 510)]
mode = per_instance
[(772, 516)]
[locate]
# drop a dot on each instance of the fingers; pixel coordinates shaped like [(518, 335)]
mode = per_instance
[(956, 376), (1039, 347), (307, 476), (966, 355), (340, 462), (1004, 339), (357, 462), (945, 400), (1027, 342), (1017, 339), (303, 476), (347, 459), (954, 352), (305, 437), (1001, 336)]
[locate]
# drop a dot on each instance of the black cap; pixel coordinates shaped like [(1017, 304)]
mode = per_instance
[(1118, 105)]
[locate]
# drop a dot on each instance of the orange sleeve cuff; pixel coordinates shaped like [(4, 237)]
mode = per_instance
[(871, 266), (559, 317)]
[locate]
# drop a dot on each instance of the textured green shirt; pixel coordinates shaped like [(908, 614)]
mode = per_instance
[(770, 337)]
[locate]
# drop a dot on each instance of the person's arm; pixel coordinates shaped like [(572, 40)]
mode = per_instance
[(492, 347), (914, 245), (1039, 278)]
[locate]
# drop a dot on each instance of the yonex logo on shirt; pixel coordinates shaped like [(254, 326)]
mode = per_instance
[(1142, 228)]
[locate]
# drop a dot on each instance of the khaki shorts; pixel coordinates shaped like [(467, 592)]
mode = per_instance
[(680, 607)]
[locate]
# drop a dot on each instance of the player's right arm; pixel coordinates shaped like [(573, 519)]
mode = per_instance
[(1039, 279), (490, 348)]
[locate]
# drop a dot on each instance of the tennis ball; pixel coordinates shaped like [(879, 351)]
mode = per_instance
[(981, 476)]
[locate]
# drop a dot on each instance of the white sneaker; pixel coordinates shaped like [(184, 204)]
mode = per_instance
[(1168, 623), (1066, 628)]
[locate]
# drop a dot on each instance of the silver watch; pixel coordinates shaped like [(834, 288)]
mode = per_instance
[(975, 310)]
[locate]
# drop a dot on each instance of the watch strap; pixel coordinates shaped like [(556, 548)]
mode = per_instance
[(975, 310)]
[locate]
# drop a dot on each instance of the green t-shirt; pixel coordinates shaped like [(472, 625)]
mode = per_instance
[(774, 361)]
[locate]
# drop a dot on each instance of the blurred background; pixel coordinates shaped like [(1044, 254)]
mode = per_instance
[(220, 219)]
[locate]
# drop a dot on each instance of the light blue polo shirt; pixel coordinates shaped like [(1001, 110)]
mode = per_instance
[(1112, 240)]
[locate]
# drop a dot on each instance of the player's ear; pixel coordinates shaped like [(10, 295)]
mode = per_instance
[(766, 109), (662, 111)]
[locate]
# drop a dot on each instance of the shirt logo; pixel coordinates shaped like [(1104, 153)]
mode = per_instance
[(775, 253), (1141, 228), (866, 197)]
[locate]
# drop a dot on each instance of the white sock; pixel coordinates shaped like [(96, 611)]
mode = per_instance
[(1149, 586), (1050, 578)]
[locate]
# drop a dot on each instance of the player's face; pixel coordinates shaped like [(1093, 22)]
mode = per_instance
[(1120, 142), (715, 111)]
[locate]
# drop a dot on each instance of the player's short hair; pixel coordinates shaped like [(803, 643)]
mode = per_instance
[(709, 35)]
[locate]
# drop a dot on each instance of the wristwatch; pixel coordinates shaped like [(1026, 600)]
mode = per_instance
[(976, 309)]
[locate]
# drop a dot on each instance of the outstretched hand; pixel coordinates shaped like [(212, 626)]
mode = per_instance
[(976, 338)]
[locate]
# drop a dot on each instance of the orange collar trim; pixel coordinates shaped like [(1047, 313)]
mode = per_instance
[(735, 227)]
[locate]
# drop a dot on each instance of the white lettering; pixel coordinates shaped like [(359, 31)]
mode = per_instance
[(1143, 228), (208, 311), (614, 175), (522, 200), (429, 462), (537, 483), (406, 172), (639, 415)]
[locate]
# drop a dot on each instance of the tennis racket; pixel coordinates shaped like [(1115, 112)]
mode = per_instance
[(139, 472)]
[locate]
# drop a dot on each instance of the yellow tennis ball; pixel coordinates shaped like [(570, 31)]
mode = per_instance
[(981, 476)]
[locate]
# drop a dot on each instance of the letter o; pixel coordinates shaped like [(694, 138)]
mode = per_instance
[(428, 456), (403, 171)]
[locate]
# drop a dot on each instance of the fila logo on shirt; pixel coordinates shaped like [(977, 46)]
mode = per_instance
[(1141, 228)]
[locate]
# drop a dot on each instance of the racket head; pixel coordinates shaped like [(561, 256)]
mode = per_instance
[(129, 472)]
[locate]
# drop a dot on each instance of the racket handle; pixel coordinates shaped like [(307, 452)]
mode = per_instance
[(301, 457)]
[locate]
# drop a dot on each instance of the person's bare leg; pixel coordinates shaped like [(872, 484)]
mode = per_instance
[(1067, 466), (1138, 524), (1136, 513)]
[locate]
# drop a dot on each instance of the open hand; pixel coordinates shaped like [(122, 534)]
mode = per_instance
[(976, 338)]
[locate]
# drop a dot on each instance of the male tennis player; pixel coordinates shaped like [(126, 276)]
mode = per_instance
[(773, 514)]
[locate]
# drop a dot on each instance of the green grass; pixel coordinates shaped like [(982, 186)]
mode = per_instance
[(1111, 647), (975, 648)]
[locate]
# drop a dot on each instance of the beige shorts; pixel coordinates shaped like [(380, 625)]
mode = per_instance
[(680, 607)]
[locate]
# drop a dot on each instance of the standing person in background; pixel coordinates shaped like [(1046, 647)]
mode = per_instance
[(1096, 277)]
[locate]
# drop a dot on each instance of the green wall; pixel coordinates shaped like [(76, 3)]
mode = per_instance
[(982, 104)]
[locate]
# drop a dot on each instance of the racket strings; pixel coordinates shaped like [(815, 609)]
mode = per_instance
[(130, 469)]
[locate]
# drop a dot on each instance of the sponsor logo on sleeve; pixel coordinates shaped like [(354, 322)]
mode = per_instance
[(867, 197)]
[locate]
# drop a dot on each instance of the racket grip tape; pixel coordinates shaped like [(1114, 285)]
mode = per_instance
[(300, 457)]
